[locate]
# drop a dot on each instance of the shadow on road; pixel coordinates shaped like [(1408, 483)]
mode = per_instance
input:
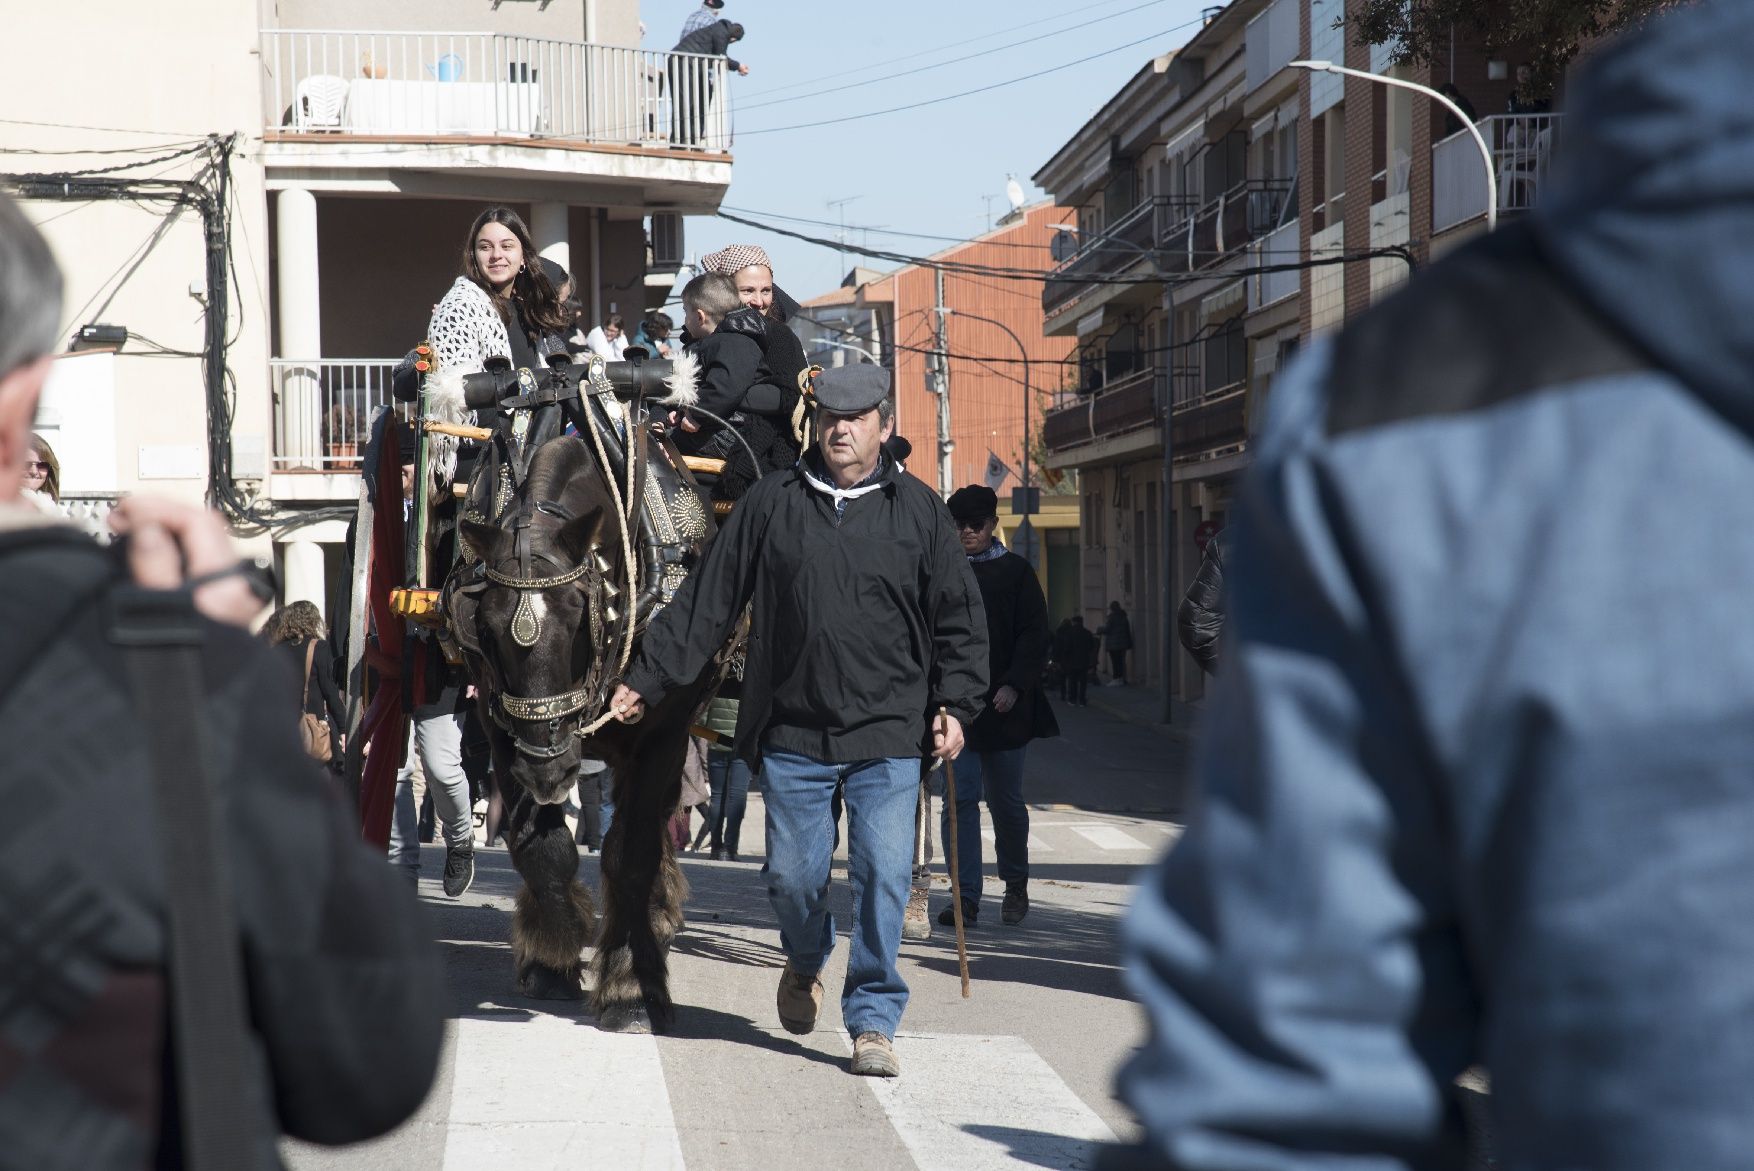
[(1038, 1148), (1052, 948)]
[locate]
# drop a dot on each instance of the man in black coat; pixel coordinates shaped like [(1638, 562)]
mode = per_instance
[(1017, 710), (865, 623), (343, 995), (1075, 652), (691, 80)]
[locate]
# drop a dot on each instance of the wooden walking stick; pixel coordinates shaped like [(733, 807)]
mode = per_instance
[(955, 876)]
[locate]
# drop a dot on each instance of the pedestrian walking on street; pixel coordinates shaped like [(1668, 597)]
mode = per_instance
[(1117, 640), (1475, 784), (197, 953), (1075, 651), (727, 773), (298, 629), (1017, 712), (866, 620)]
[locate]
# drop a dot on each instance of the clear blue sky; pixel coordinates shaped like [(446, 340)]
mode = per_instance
[(926, 170)]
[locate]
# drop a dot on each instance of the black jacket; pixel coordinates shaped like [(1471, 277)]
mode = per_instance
[(739, 381), (1116, 631), (1074, 648), (1200, 620), (1017, 652), (345, 993), (712, 40), (861, 627)]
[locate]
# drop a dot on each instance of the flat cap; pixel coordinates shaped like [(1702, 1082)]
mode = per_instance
[(852, 390), (975, 502)]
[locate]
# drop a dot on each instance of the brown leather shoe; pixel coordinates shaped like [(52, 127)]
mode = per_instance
[(874, 1056), (799, 1000)]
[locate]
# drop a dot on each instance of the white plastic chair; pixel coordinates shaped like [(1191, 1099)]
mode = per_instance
[(319, 103)]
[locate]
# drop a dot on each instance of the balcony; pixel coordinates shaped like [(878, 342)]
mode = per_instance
[(1282, 246), (323, 410), (1246, 212), (399, 101), (1125, 405), (1127, 241), (1521, 146), (1271, 42)]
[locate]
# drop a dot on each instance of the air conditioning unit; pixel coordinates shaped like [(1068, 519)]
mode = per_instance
[(666, 241)]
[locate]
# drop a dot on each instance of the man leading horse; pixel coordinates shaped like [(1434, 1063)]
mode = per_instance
[(866, 621)]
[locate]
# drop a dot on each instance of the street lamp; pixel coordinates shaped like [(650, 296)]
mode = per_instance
[(1485, 152)]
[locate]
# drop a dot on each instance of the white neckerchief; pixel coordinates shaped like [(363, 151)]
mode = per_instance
[(840, 494)]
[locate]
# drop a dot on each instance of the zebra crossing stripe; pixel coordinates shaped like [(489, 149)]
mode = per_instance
[(598, 1100), (1036, 845), (1107, 837), (970, 1103)]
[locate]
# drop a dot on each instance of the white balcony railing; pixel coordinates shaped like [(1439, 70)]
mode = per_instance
[(1281, 247), (323, 409), (1522, 149), (1271, 42), (485, 85)]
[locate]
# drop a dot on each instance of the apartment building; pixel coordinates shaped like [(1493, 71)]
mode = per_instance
[(891, 318), (370, 133), (1205, 196)]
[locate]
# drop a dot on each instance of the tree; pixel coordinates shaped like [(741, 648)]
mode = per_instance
[(1550, 31)]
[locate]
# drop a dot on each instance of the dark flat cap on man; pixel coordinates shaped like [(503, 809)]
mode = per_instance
[(715, 3), (975, 502), (852, 390)]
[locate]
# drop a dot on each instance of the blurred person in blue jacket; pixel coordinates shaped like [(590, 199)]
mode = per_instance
[(1475, 788)]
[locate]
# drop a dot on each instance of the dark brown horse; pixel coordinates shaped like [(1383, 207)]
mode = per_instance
[(540, 613)]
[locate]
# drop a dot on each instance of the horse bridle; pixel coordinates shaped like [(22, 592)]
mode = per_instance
[(527, 630)]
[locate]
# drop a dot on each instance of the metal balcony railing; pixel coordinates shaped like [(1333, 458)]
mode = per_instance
[(323, 409), (1220, 226), (426, 85), (1124, 405), (1522, 148), (1127, 241)]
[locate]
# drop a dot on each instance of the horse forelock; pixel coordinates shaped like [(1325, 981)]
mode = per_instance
[(563, 471)]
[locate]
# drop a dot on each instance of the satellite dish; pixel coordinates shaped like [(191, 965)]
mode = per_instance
[(1014, 192)]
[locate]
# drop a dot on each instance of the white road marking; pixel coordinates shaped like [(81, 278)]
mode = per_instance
[(1108, 837), (966, 1103), (1036, 845), (597, 1099)]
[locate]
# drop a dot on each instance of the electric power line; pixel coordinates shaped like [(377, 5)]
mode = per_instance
[(971, 92), (922, 53), (1077, 26)]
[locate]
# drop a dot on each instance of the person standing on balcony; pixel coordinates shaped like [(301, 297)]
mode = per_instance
[(707, 13), (691, 81)]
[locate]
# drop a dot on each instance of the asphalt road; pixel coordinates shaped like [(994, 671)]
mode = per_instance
[(1018, 1075)]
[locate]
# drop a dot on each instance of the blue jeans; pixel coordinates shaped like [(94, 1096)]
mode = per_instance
[(439, 741), (729, 777), (999, 775), (880, 800)]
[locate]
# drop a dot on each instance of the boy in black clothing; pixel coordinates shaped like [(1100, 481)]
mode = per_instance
[(738, 384)]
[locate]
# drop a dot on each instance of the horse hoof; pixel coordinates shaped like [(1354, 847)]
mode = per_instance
[(625, 1018), (541, 983)]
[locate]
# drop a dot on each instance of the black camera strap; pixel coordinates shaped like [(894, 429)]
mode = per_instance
[(161, 638)]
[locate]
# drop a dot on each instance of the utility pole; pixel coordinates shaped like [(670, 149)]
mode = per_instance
[(938, 382)]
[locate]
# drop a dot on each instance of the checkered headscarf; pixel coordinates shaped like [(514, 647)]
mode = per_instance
[(735, 259)]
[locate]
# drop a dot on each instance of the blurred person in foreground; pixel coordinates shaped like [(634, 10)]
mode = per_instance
[(343, 995), (1475, 786)]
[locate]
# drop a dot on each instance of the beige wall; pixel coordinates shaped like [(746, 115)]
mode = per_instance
[(189, 76), (616, 21)]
